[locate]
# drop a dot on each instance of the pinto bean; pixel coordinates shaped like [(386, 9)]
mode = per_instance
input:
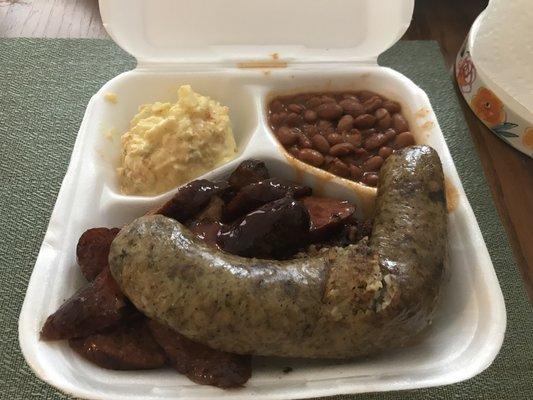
[(276, 106), (368, 132), (364, 121), (384, 120), (371, 179), (294, 119), (373, 163), (313, 102), (385, 151), (404, 139), (329, 110), (355, 172), (352, 107), (391, 106), (390, 134), (354, 139), (345, 123), (328, 160), (364, 95), (296, 108), (372, 104), (309, 130), (327, 99), (320, 143), (375, 141), (280, 118), (325, 126), (341, 149), (311, 156), (334, 138), (286, 136), (399, 123), (310, 116), (304, 142), (337, 167), (361, 153), (294, 150)]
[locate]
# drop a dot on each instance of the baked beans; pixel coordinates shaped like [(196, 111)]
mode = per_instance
[(349, 134)]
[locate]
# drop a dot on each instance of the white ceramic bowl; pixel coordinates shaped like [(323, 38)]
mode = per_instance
[(500, 112)]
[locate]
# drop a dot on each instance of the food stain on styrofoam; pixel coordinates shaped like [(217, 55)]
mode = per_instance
[(422, 112), (101, 154), (262, 64), (452, 195), (426, 128), (111, 97), (110, 134), (428, 125)]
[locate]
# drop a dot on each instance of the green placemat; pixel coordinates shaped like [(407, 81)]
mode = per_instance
[(44, 88)]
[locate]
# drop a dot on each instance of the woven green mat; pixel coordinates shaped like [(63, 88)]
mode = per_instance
[(44, 88)]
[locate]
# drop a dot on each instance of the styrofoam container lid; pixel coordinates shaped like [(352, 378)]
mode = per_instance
[(216, 31)]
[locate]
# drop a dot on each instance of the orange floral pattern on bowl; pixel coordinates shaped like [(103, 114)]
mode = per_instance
[(465, 73), (527, 138), (488, 106), (502, 120)]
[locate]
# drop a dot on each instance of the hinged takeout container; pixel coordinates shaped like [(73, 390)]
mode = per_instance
[(241, 53)]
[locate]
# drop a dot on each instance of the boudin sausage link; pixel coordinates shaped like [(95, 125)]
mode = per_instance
[(347, 302)]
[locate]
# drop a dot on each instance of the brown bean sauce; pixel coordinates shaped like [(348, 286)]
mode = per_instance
[(349, 134)]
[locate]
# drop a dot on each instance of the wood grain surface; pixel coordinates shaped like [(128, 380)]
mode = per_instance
[(51, 18), (508, 172)]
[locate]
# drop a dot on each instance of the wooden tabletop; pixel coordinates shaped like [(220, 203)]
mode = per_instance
[(508, 172)]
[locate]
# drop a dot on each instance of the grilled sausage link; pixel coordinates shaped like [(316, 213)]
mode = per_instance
[(347, 302)]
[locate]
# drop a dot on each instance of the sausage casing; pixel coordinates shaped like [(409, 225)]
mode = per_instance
[(346, 302)]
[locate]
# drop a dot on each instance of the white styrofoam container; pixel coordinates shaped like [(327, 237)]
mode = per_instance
[(337, 50)]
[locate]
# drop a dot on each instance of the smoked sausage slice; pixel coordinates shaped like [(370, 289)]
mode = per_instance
[(200, 363), (249, 171), (126, 347), (93, 249), (93, 308), (256, 194)]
